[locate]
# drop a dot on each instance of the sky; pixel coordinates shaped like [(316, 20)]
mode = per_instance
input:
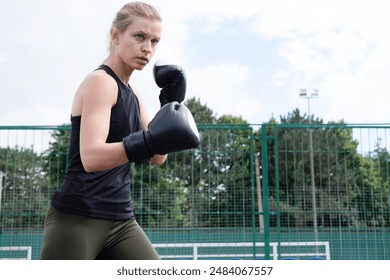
[(245, 58)]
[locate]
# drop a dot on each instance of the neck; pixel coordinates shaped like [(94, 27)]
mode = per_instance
[(121, 69)]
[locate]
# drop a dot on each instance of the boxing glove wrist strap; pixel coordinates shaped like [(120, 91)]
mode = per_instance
[(136, 147)]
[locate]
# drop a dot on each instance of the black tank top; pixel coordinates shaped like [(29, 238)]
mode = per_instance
[(102, 194)]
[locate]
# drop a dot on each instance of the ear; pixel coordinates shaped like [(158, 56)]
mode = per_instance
[(114, 35)]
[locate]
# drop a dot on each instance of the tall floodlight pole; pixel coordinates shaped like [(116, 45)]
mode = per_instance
[(309, 95)]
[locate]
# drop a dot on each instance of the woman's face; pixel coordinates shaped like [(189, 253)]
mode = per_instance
[(138, 43)]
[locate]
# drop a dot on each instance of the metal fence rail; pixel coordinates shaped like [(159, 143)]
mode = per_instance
[(25, 250), (245, 184), (199, 251)]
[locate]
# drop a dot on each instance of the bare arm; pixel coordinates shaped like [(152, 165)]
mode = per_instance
[(94, 100)]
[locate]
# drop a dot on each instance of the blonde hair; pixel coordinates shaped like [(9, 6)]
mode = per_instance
[(126, 14)]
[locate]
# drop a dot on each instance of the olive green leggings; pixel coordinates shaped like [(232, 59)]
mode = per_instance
[(74, 237)]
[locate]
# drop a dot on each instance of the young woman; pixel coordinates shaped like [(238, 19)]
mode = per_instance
[(90, 215)]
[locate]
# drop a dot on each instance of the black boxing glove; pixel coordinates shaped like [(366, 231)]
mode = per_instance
[(172, 129), (172, 81)]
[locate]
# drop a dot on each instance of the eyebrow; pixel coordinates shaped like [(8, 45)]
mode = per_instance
[(146, 33)]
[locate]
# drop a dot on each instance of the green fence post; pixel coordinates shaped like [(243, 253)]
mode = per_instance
[(253, 191), (264, 159)]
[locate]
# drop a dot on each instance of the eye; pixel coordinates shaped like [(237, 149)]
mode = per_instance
[(155, 42), (139, 36)]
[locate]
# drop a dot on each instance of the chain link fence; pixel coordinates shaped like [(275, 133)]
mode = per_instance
[(247, 192)]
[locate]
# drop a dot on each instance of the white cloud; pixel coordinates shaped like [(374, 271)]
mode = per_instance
[(339, 47), (336, 46), (223, 87)]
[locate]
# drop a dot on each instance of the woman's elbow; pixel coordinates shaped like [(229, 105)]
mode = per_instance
[(89, 164)]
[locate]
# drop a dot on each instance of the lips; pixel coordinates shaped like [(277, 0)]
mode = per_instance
[(144, 59)]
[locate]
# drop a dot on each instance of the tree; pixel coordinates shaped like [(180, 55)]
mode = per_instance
[(370, 199), (24, 198), (201, 113), (351, 189), (194, 187), (57, 156), (221, 169)]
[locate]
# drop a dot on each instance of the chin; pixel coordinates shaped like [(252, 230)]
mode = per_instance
[(139, 67)]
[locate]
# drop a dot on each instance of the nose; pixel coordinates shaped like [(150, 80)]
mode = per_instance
[(147, 46)]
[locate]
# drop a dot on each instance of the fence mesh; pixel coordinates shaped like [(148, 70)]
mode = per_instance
[(330, 183), (246, 192)]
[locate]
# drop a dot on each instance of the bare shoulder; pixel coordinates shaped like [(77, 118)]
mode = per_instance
[(97, 87), (100, 80)]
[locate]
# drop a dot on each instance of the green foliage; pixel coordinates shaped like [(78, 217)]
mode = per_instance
[(204, 187), (350, 189), (371, 200), (201, 113), (159, 196), (193, 186), (23, 196), (57, 156)]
